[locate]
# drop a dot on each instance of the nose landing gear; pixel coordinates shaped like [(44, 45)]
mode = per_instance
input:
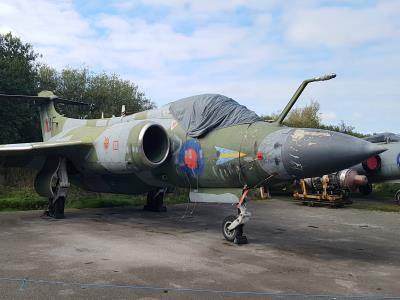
[(232, 226)]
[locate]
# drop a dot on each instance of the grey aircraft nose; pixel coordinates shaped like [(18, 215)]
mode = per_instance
[(315, 152)]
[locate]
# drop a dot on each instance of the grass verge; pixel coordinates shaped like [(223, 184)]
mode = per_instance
[(381, 199), (26, 199), (376, 205)]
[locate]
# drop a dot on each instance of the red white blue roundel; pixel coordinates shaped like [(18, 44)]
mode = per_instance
[(191, 158)]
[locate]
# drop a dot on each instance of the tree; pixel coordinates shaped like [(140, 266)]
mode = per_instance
[(18, 71), (18, 63), (307, 116), (343, 128), (107, 92)]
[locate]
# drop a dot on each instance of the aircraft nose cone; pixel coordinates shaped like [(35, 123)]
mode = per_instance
[(315, 152)]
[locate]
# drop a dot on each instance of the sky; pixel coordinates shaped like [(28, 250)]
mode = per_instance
[(256, 51)]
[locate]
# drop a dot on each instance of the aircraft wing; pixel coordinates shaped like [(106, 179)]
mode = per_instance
[(21, 154)]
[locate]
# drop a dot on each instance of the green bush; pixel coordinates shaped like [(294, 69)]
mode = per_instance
[(387, 190)]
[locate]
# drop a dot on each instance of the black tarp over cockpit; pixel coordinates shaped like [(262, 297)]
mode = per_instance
[(201, 114)]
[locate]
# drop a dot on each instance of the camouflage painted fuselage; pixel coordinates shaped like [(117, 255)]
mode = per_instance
[(224, 158), (111, 160)]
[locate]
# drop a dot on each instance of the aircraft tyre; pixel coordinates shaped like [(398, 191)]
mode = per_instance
[(155, 201), (230, 235), (56, 208), (397, 197), (365, 189)]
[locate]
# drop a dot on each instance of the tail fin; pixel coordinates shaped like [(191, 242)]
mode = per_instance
[(51, 121)]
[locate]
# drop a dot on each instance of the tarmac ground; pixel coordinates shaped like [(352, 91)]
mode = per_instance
[(294, 251)]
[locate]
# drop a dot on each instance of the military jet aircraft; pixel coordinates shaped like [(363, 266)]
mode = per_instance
[(384, 167), (208, 143)]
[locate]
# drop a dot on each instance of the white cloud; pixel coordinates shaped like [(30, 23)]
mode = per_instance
[(46, 22), (197, 9), (343, 26), (260, 63), (6, 9), (328, 117), (357, 116)]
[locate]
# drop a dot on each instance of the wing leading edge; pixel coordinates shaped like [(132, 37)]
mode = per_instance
[(42, 147), (21, 155)]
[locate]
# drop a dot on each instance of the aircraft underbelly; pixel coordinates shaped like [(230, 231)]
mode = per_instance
[(118, 184)]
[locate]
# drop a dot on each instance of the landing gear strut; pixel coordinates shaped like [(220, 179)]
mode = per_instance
[(60, 186), (155, 201), (55, 208), (232, 226)]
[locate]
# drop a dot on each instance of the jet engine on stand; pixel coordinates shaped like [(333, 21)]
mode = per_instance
[(333, 189)]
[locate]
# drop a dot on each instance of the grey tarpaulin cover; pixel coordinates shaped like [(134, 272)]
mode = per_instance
[(200, 114)]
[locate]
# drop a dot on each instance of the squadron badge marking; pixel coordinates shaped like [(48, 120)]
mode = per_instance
[(106, 142)]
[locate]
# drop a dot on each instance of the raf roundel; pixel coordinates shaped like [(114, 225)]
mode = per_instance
[(191, 158)]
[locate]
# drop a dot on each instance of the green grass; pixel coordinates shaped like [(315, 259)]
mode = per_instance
[(381, 199), (21, 200), (376, 205), (386, 190), (26, 199)]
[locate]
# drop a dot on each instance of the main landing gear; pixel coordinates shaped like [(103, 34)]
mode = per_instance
[(155, 201), (232, 226), (59, 189)]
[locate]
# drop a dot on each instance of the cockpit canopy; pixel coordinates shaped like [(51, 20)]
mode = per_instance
[(201, 114), (386, 137)]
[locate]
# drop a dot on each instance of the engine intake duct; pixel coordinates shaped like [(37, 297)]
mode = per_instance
[(150, 145)]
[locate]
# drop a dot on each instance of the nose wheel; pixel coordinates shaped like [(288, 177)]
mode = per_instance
[(230, 235), (232, 226)]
